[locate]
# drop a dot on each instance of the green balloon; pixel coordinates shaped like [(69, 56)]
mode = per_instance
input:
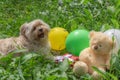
[(76, 41)]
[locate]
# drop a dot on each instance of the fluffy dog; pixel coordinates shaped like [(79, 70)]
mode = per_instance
[(33, 37), (98, 55)]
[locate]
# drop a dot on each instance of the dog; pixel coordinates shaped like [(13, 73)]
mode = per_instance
[(33, 38)]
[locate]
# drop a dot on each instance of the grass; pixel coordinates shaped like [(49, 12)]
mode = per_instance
[(98, 15)]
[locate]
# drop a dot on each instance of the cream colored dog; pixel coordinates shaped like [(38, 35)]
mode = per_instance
[(33, 37)]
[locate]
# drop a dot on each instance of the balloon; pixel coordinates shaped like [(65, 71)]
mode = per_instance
[(116, 34), (77, 41), (57, 37)]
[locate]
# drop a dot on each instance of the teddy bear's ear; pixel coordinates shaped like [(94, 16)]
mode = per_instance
[(91, 33), (23, 29)]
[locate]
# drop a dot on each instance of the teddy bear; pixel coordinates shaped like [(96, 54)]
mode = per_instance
[(98, 54)]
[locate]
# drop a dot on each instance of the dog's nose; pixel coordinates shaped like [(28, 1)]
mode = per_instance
[(40, 29)]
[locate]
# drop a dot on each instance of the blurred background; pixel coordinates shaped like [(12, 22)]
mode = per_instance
[(69, 14)]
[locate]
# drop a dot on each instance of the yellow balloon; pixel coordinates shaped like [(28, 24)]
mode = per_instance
[(57, 37)]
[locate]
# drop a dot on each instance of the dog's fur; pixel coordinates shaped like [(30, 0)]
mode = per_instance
[(33, 37)]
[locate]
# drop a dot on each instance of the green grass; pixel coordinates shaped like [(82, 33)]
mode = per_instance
[(70, 14)]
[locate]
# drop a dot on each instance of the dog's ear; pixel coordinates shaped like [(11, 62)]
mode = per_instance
[(23, 29)]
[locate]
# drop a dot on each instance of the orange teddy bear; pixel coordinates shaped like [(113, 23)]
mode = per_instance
[(97, 55)]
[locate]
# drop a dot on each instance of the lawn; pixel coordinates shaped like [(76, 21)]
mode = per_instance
[(98, 15)]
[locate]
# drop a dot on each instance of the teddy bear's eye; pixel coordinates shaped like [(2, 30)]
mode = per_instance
[(100, 45)]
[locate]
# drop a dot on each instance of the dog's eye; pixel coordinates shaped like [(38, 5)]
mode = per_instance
[(34, 28)]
